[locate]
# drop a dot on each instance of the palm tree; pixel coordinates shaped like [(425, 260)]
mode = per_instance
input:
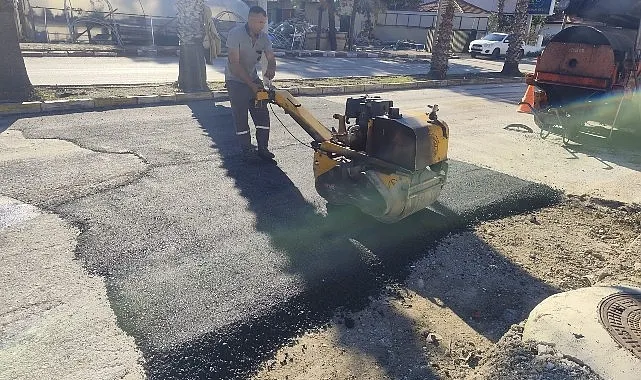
[(443, 44), (511, 65), (368, 8), (331, 34), (319, 31), (352, 19), (500, 16), (14, 81), (191, 72)]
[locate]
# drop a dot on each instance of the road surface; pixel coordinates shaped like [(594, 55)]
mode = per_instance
[(210, 263), (122, 70)]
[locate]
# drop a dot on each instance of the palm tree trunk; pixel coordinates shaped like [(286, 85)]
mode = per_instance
[(352, 31), (511, 65), (319, 27), (191, 72), (500, 15), (443, 44), (15, 85), (331, 14)]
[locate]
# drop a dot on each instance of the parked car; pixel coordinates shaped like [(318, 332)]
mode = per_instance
[(493, 45)]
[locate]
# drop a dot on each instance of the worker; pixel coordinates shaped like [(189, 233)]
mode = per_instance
[(246, 44), (211, 40)]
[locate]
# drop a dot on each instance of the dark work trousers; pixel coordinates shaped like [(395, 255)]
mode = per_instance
[(242, 101)]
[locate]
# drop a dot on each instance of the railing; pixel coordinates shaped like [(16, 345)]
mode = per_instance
[(62, 25)]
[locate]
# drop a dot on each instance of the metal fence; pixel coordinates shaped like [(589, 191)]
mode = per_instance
[(81, 26)]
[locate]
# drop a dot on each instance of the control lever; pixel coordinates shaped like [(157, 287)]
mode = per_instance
[(432, 115)]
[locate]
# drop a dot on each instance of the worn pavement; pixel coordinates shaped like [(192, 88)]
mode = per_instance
[(210, 263)]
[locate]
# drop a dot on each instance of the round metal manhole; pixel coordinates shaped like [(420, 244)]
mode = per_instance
[(621, 315)]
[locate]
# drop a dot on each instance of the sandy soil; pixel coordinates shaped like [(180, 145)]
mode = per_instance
[(460, 313)]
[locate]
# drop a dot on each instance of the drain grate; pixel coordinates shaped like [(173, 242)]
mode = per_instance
[(621, 315)]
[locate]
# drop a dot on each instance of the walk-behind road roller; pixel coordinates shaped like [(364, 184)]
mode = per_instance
[(387, 164)]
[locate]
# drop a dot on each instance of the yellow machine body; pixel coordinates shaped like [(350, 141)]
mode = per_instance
[(386, 164)]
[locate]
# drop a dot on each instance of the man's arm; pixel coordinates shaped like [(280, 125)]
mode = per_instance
[(233, 56), (271, 64)]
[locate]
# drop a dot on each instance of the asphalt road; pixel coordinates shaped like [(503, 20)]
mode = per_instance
[(209, 262), (121, 70)]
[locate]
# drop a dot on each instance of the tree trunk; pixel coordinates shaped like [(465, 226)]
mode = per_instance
[(15, 85), (500, 16), (331, 14), (191, 71), (511, 65), (443, 44), (319, 26), (27, 32), (352, 20)]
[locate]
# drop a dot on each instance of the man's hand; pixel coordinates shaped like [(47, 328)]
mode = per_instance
[(270, 72)]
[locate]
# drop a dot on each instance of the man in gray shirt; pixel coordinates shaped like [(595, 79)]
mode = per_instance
[(246, 44)]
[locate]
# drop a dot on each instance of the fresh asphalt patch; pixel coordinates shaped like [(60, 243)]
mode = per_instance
[(212, 263)]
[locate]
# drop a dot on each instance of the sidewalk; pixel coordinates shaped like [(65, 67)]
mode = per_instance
[(85, 50)]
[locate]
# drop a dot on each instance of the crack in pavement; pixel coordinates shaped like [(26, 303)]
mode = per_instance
[(77, 143), (132, 178)]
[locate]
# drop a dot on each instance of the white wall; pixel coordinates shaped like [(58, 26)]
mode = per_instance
[(393, 33), (490, 5)]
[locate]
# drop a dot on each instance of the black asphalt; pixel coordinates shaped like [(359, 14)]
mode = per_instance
[(212, 262)]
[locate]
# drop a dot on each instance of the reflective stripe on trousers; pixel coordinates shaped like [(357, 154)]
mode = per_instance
[(242, 101)]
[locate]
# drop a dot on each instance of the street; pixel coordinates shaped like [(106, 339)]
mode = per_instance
[(209, 263), (120, 70)]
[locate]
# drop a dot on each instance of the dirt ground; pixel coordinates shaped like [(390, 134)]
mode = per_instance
[(461, 311)]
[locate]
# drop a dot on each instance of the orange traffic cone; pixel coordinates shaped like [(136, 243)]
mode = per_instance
[(528, 98)]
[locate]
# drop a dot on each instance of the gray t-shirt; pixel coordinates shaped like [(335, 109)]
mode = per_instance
[(250, 52)]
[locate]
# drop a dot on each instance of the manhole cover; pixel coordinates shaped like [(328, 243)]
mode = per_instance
[(621, 315)]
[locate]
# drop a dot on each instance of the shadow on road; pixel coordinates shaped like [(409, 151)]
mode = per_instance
[(326, 251), (622, 149), (341, 255), (462, 285)]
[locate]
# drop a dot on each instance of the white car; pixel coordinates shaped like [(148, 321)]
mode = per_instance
[(494, 45)]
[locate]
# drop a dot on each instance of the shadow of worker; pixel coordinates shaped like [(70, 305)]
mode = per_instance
[(342, 256), (314, 243)]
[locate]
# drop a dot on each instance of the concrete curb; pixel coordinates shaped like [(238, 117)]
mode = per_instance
[(347, 54), (81, 105), (570, 322)]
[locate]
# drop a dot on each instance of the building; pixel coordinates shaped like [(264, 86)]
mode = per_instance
[(420, 26), (491, 5)]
